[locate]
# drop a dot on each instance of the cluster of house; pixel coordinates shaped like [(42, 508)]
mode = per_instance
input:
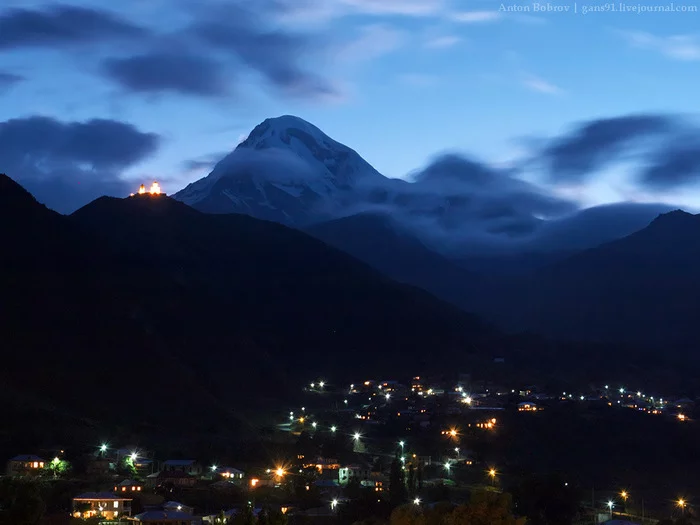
[(331, 477), (420, 400)]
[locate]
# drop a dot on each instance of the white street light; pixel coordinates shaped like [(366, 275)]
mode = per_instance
[(416, 501)]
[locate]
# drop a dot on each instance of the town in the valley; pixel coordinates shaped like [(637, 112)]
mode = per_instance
[(397, 449)]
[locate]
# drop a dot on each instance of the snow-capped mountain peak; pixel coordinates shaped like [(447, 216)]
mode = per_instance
[(287, 170)]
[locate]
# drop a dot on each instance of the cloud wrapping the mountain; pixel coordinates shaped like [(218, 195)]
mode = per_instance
[(272, 164), (67, 164), (61, 25), (456, 200)]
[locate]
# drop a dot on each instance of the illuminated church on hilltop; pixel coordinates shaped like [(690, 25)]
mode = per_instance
[(155, 190)]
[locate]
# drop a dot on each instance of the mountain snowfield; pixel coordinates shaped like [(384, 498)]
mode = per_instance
[(289, 171)]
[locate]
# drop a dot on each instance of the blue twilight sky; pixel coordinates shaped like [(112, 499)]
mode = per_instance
[(598, 107)]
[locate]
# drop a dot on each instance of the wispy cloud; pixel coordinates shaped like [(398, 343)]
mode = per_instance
[(541, 85), (324, 10), (443, 42), (676, 47), (397, 7), (475, 17), (375, 40)]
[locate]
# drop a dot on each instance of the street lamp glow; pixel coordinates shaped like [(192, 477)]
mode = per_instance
[(416, 501), (401, 444), (103, 447), (357, 436), (492, 473), (213, 468), (313, 385), (333, 428), (611, 504), (334, 503), (457, 450), (321, 384), (314, 424), (447, 466), (403, 459), (453, 432), (279, 472), (622, 390), (624, 495), (681, 503), (134, 456), (388, 396)]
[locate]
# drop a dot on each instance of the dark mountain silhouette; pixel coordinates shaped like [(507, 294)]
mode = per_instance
[(140, 309), (384, 244), (643, 289)]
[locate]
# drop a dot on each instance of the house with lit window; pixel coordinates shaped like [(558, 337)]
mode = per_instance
[(25, 465), (230, 473), (101, 504), (128, 486), (350, 472)]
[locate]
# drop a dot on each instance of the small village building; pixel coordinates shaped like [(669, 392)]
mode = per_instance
[(128, 486), (353, 472), (101, 504), (25, 465)]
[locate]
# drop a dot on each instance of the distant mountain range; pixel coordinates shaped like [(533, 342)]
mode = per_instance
[(289, 171), (643, 289), (585, 276)]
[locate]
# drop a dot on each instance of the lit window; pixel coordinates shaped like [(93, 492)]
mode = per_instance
[(36, 464), (116, 504)]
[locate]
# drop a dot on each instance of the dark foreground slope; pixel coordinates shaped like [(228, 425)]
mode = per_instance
[(144, 311)]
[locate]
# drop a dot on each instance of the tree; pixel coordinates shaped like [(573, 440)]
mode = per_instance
[(407, 515), (439, 513), (411, 481), (22, 502), (485, 508), (244, 517), (58, 467), (397, 485)]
